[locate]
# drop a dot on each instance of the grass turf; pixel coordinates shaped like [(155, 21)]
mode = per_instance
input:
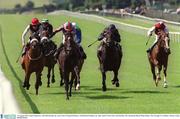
[(137, 92)]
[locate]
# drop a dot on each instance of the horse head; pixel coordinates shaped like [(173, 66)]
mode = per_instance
[(163, 41), (109, 39), (69, 42), (34, 44)]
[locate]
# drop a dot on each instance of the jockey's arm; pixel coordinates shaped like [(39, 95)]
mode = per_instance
[(56, 31), (50, 29), (166, 30), (118, 36), (150, 31), (102, 35), (24, 34)]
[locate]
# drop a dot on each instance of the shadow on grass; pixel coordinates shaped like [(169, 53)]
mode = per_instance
[(178, 86), (27, 97), (144, 91), (107, 97), (92, 88)]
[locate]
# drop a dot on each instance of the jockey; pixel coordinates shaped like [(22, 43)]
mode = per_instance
[(32, 28), (156, 28), (111, 28), (45, 25), (115, 35), (65, 28), (78, 37)]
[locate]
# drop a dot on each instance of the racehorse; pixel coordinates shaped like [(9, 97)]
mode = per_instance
[(109, 54), (32, 61), (158, 57), (68, 62), (73, 77), (49, 48)]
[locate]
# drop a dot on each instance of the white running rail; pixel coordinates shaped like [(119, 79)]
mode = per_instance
[(8, 104), (174, 36)]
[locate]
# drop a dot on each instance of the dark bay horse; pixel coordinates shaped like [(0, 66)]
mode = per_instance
[(49, 48), (68, 63), (109, 54), (32, 61), (158, 57)]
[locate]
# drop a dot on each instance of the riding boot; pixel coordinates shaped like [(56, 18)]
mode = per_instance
[(83, 54), (56, 54), (25, 48), (23, 51), (149, 50)]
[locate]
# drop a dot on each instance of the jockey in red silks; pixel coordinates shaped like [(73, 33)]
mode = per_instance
[(156, 28), (67, 27), (31, 29)]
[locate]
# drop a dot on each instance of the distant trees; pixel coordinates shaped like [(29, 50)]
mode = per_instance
[(29, 5)]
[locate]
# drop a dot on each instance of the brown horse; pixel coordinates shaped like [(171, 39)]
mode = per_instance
[(109, 55), (49, 48), (68, 62), (158, 57), (73, 77), (32, 61)]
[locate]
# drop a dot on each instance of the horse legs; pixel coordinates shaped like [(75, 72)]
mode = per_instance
[(75, 82), (38, 81), (66, 81), (76, 70), (62, 79), (48, 76), (53, 79), (158, 78), (165, 81), (153, 72), (71, 83), (103, 81), (26, 81), (115, 79)]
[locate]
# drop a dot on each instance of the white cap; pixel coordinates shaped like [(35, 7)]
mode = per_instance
[(73, 23)]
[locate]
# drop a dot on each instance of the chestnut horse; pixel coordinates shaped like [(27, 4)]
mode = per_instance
[(68, 63), (109, 54), (158, 57), (32, 61), (49, 48)]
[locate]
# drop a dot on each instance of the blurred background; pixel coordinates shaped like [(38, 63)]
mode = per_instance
[(165, 9)]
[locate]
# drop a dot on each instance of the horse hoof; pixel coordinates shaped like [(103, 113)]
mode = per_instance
[(61, 84), (78, 87), (40, 83), (24, 86), (27, 87), (67, 98), (104, 88), (117, 84), (156, 83), (48, 86), (53, 81), (113, 82), (165, 86)]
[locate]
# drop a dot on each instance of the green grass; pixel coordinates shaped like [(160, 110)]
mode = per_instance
[(137, 92), (12, 3), (144, 23)]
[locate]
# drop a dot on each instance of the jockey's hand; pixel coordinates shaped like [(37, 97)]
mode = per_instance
[(100, 38), (150, 34)]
